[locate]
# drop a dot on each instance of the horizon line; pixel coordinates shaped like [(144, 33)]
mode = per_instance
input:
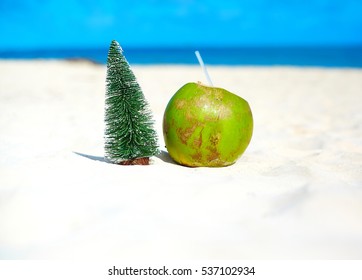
[(188, 47)]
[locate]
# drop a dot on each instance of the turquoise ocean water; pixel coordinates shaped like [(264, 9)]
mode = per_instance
[(232, 32), (247, 56)]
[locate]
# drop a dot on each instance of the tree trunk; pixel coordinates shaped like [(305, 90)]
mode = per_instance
[(136, 161)]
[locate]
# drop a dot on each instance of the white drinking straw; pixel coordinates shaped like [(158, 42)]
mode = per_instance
[(199, 58)]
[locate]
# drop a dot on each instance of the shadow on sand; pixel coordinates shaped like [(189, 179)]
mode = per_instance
[(163, 155), (101, 159)]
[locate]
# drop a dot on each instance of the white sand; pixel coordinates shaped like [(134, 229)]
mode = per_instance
[(296, 193)]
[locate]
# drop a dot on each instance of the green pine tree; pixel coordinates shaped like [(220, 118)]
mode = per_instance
[(129, 134)]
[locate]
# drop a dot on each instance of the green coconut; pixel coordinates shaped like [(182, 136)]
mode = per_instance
[(206, 126)]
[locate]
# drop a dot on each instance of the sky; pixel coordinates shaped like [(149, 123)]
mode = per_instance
[(42, 24)]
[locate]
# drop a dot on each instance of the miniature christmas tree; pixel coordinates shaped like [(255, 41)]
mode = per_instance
[(129, 134)]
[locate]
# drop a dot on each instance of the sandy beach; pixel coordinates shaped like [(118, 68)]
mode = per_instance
[(296, 193)]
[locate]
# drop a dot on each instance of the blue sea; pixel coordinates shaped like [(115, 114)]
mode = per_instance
[(243, 56)]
